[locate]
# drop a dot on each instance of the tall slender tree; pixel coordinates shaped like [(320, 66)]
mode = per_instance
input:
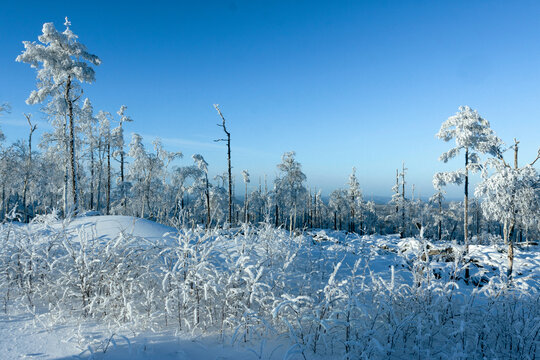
[(355, 198), (28, 170), (245, 175), (120, 154), (229, 167), (473, 136), (63, 60), (203, 166)]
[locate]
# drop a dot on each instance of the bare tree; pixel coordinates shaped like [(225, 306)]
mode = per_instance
[(33, 128), (228, 140)]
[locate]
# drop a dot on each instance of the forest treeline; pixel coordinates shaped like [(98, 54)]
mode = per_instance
[(86, 164)]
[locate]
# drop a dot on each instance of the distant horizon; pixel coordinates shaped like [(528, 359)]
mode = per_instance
[(363, 85)]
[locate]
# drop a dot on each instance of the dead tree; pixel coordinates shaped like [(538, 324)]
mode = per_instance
[(403, 200), (228, 140), (33, 128)]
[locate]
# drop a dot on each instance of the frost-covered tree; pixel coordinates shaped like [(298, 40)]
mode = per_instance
[(164, 195), (258, 205), (203, 184), (145, 173), (355, 200), (4, 108), (181, 178), (88, 124), (289, 186), (473, 136), (120, 154), (512, 197), (8, 166), (437, 200), (60, 59), (396, 218), (105, 139), (338, 204), (245, 176)]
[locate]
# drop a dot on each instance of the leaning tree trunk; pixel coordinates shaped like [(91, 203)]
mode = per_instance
[(71, 145)]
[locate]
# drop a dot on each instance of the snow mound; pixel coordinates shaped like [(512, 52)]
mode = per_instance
[(110, 226)]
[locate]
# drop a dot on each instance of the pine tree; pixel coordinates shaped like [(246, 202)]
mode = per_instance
[(63, 60), (472, 135)]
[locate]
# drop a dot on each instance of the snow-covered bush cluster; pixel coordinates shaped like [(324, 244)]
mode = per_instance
[(323, 293)]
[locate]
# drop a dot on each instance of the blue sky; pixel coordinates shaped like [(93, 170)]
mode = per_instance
[(342, 83)]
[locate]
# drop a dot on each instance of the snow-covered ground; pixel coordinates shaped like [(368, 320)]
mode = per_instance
[(116, 287)]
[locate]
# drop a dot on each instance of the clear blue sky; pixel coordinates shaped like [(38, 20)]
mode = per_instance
[(343, 83)]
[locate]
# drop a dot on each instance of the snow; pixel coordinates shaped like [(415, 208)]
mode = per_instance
[(108, 227), (21, 338), (296, 284)]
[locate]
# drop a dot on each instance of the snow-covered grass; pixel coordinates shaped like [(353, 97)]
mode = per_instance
[(109, 287)]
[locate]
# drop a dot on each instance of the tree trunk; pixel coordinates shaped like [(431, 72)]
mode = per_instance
[(28, 166), (71, 145), (352, 229), (466, 212), (108, 208), (122, 185), (229, 167), (3, 201), (92, 179), (230, 172), (510, 232), (439, 225), (208, 219), (246, 206), (403, 201)]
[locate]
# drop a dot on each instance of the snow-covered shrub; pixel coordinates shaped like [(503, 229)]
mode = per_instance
[(343, 297)]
